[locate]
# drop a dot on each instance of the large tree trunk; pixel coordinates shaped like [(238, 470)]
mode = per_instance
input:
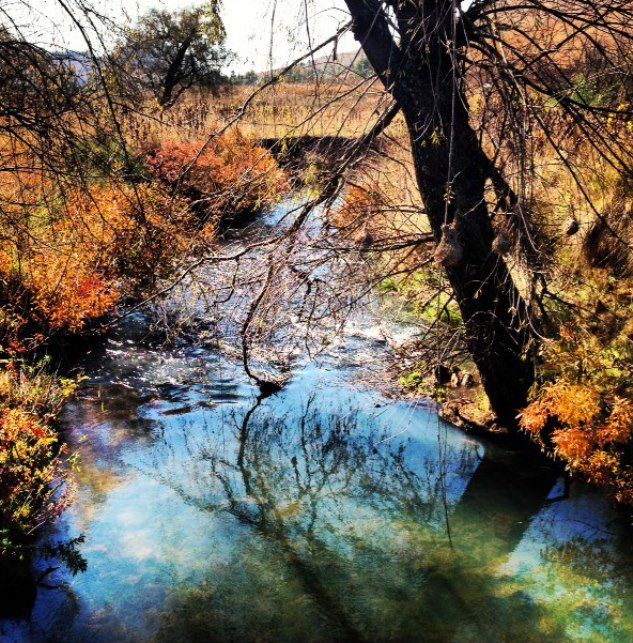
[(493, 311), (452, 170)]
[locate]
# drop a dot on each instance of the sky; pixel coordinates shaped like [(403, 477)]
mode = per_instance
[(249, 25)]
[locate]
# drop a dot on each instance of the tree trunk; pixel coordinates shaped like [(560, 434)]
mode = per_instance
[(172, 77), (423, 76), (493, 311)]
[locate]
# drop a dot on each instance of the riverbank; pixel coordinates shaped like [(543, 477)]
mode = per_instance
[(326, 510), (205, 293), (69, 260), (308, 489)]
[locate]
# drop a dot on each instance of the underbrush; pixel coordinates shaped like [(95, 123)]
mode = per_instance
[(225, 178), (103, 227), (582, 409), (69, 266), (34, 465)]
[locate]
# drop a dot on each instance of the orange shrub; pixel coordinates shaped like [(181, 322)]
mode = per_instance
[(574, 405), (98, 245), (34, 483), (363, 214), (31, 475), (373, 214), (229, 177), (360, 202), (132, 233), (588, 426), (69, 293)]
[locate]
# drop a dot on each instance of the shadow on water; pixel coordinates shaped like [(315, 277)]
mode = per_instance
[(324, 512), (18, 588), (299, 495)]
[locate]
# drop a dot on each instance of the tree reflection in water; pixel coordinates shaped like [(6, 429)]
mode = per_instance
[(355, 544), (213, 515)]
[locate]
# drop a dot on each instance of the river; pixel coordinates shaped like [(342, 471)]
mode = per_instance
[(325, 512)]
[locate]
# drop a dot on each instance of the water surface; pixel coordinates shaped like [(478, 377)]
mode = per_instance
[(326, 512)]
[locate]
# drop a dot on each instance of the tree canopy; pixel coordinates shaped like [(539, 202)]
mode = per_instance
[(167, 53)]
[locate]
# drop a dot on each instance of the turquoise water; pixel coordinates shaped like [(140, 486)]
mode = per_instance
[(325, 512)]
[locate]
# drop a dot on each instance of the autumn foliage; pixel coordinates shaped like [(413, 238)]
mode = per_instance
[(585, 412), (34, 483), (30, 463), (94, 246), (69, 252), (225, 178), (371, 213), (360, 206), (75, 242)]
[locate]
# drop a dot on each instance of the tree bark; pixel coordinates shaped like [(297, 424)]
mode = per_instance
[(423, 76), (172, 77)]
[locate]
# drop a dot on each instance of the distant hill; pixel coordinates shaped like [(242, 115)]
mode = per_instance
[(345, 59), (320, 67)]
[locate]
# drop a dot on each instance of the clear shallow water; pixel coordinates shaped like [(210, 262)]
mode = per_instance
[(325, 512)]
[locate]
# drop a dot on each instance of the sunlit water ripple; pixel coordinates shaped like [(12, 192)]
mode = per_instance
[(324, 512)]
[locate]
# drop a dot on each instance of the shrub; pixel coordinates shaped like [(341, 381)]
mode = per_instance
[(132, 234), (585, 412), (361, 202), (95, 246), (30, 475), (228, 178), (363, 214), (34, 484)]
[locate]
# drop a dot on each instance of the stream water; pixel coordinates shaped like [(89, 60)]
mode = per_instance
[(325, 512)]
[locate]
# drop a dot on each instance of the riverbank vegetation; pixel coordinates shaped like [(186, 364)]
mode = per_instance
[(95, 212), (550, 103), (34, 478), (570, 260), (496, 220)]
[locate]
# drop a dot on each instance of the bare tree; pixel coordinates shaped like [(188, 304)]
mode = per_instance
[(429, 54)]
